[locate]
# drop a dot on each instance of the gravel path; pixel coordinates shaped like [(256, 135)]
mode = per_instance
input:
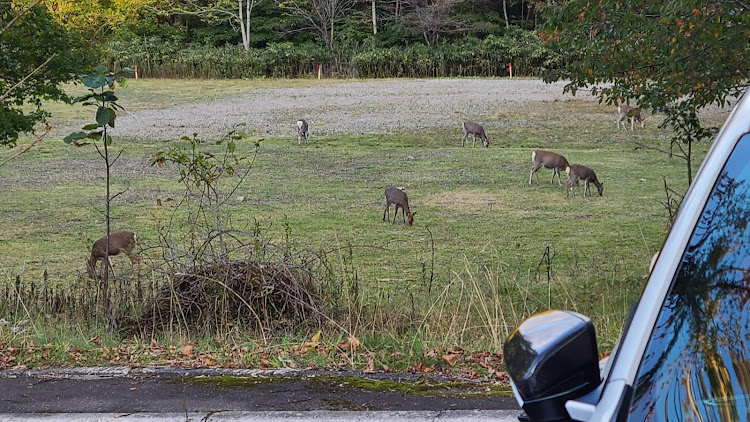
[(377, 106)]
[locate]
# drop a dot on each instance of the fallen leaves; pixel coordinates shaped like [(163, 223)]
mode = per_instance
[(315, 352)]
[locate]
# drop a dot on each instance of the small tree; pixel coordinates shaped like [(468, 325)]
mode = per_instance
[(202, 166), (101, 85), (675, 57), (321, 16), (435, 17), (237, 12)]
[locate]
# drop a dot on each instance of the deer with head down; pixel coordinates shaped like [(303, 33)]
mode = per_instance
[(394, 195), (578, 172), (625, 112), (549, 160), (118, 242), (471, 128)]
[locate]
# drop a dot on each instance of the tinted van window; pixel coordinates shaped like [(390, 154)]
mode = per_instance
[(697, 363)]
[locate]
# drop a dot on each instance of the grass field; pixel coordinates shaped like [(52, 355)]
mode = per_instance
[(486, 249)]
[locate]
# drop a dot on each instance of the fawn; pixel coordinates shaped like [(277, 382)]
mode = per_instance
[(627, 112), (118, 242), (477, 130), (394, 195), (578, 172)]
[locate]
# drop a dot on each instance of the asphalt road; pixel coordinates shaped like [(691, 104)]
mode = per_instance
[(123, 394)]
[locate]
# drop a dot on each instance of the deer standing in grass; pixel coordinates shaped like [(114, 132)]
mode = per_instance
[(477, 130), (394, 195), (301, 131), (626, 112), (548, 160), (118, 242), (577, 172)]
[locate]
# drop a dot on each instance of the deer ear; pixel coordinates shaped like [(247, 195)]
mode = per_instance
[(414, 213)]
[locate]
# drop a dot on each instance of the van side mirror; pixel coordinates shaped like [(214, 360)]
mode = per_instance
[(551, 358)]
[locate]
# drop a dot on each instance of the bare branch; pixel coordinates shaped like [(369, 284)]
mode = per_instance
[(39, 139), (20, 83), (21, 13)]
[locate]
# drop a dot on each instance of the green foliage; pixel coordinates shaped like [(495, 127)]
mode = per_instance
[(675, 56), (470, 57), (94, 19), (199, 166), (169, 59), (101, 85), (61, 50)]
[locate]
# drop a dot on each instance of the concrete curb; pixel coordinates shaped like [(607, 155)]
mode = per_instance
[(97, 372), (317, 416)]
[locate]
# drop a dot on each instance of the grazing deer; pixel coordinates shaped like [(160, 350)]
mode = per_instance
[(394, 195), (118, 242), (301, 131), (548, 160), (578, 172), (477, 130), (627, 112)]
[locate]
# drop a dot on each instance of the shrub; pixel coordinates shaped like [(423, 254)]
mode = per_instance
[(470, 57)]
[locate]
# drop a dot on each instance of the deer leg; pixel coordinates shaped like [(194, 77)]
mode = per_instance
[(106, 266), (111, 266), (534, 170), (463, 140), (134, 260), (620, 121), (559, 180), (569, 186), (387, 209)]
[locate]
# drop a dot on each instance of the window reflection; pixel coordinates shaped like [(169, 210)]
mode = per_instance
[(697, 364)]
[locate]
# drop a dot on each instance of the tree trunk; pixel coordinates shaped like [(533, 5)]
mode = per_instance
[(331, 40), (374, 20), (505, 12), (104, 286), (689, 161), (243, 28)]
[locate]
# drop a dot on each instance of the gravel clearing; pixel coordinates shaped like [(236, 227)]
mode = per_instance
[(360, 107)]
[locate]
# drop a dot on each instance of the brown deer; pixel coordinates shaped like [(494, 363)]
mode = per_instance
[(394, 195), (118, 242), (627, 112), (578, 172), (548, 160), (477, 130), (301, 131)]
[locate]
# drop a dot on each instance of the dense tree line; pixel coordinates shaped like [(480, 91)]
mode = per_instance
[(201, 38)]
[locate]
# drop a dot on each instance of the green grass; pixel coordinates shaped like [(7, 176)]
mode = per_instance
[(489, 229)]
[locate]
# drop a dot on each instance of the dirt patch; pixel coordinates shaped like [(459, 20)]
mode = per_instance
[(366, 107), (471, 199)]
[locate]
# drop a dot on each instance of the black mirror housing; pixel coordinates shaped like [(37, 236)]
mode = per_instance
[(551, 358)]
